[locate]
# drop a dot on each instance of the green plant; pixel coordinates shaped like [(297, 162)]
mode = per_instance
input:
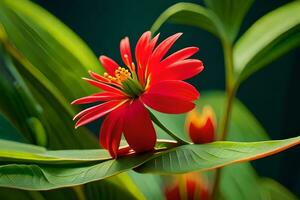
[(40, 62)]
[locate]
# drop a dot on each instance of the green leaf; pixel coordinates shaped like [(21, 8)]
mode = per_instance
[(42, 177), (150, 185), (221, 18), (187, 14), (39, 169), (267, 39), (47, 55), (275, 191), (213, 155), (13, 194), (236, 180), (18, 152), (56, 53), (107, 190), (230, 15)]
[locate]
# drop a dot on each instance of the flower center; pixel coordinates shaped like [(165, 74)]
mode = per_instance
[(121, 74), (130, 84)]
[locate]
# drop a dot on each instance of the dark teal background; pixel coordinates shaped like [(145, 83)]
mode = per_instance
[(272, 94)]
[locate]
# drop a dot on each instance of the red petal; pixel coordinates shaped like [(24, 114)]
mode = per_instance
[(174, 88), (141, 45), (109, 64), (161, 50), (177, 56), (147, 55), (167, 104), (104, 96), (138, 129), (126, 52), (111, 131), (104, 86), (180, 70), (96, 112), (143, 52)]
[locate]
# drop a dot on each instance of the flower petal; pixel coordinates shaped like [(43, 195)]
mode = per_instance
[(126, 52), (95, 112), (177, 56), (167, 104), (138, 129), (161, 50), (104, 86), (109, 64), (111, 131), (140, 47), (143, 53), (103, 96), (180, 70), (174, 88)]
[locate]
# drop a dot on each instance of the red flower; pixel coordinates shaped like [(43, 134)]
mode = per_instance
[(201, 126), (155, 82)]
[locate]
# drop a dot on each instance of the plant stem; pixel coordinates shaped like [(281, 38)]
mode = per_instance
[(230, 94), (160, 125)]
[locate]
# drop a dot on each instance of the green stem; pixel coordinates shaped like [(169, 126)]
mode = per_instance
[(160, 125), (230, 94)]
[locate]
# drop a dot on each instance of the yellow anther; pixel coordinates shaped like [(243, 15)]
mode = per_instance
[(121, 74)]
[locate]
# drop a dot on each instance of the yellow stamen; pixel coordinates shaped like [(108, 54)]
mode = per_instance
[(121, 74)]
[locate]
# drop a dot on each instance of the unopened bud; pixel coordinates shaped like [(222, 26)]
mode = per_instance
[(201, 126)]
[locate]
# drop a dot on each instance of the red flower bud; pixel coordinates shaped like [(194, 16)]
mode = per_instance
[(201, 126), (190, 187)]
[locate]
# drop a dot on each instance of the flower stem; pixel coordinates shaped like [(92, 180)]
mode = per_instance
[(230, 94), (160, 125)]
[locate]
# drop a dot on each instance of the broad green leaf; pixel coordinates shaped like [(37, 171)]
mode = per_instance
[(268, 38), (13, 194), (107, 190), (29, 107), (230, 15), (213, 155), (51, 59), (222, 18), (272, 190), (14, 151), (54, 50), (187, 14), (150, 185), (55, 169), (42, 177), (236, 180)]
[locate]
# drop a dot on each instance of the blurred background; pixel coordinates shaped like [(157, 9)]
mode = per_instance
[(272, 95)]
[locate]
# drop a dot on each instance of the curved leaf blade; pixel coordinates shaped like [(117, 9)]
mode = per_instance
[(267, 39), (270, 189), (230, 14), (45, 177), (73, 169), (213, 155), (187, 14)]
